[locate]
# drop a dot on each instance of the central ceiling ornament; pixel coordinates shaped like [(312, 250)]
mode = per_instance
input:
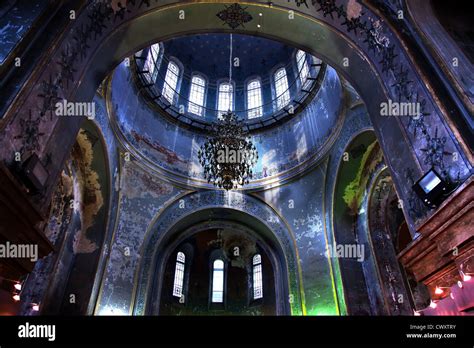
[(228, 155), (235, 16)]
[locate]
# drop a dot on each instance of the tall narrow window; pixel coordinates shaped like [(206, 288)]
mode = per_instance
[(196, 95), (218, 281), (179, 275), (257, 277), (151, 63), (225, 99), (303, 70), (254, 99), (281, 88), (171, 82)]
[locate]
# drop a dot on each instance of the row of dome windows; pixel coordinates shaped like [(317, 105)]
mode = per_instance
[(225, 98), (218, 276)]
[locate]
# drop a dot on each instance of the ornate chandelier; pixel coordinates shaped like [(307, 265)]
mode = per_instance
[(228, 156)]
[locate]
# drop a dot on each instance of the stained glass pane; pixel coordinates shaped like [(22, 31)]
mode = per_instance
[(226, 98), (151, 63), (257, 277), (196, 95), (218, 282), (171, 82), (254, 99), (179, 275), (281, 88), (303, 69)]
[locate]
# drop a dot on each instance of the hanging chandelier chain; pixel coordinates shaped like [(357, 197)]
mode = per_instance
[(230, 60)]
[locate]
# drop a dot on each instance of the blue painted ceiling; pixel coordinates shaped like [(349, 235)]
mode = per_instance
[(209, 55)]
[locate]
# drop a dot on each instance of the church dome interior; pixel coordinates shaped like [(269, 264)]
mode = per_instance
[(303, 118)]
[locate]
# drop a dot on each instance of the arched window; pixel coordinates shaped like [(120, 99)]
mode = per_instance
[(179, 275), (254, 99), (303, 69), (171, 82), (151, 62), (257, 277), (225, 100), (218, 281), (281, 88), (196, 95)]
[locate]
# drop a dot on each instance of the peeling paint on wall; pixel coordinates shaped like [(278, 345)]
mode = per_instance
[(135, 185), (92, 200), (354, 192)]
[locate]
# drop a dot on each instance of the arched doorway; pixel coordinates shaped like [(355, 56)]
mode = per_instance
[(358, 271), (255, 227), (368, 220), (239, 230), (249, 273)]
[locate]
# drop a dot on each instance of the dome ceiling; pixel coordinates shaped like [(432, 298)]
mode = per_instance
[(300, 104), (209, 54), (171, 151), (187, 79)]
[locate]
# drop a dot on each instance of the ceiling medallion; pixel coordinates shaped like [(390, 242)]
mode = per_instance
[(228, 156), (235, 16)]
